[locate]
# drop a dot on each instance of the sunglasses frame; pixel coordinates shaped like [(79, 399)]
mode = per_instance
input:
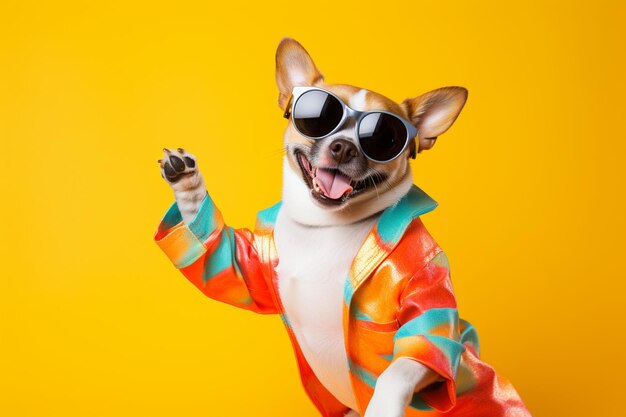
[(348, 112)]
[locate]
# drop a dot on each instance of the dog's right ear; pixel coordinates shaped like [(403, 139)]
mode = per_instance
[(294, 67), (434, 112)]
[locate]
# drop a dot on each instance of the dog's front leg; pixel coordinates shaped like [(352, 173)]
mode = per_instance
[(396, 385), (181, 172)]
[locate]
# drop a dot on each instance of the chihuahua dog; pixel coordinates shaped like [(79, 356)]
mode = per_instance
[(347, 153)]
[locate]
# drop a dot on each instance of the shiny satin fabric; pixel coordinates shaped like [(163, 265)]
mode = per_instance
[(398, 302)]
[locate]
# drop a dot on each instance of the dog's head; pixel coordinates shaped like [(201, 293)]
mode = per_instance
[(331, 180)]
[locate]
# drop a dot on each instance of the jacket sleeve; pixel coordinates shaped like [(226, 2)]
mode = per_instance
[(429, 331), (220, 261)]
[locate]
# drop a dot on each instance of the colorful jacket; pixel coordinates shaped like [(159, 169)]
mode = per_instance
[(398, 302)]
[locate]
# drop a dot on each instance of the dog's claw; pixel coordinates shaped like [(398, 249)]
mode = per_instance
[(181, 150)]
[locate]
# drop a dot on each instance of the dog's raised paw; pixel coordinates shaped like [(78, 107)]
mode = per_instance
[(176, 165)]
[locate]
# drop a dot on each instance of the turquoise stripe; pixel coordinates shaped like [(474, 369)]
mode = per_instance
[(363, 317), (425, 322), (394, 220), (422, 326), (203, 224), (470, 336), (222, 256), (348, 290), (267, 217), (285, 320), (172, 217), (364, 375)]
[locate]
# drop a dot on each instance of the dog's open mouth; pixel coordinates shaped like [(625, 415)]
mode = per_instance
[(331, 186)]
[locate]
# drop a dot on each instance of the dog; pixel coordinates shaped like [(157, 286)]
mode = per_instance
[(362, 287)]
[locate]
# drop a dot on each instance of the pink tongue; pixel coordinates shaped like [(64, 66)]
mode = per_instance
[(332, 183)]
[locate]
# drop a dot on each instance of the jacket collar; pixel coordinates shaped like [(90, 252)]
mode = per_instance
[(390, 226), (395, 219)]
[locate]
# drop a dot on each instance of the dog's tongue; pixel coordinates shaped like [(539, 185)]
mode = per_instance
[(332, 184)]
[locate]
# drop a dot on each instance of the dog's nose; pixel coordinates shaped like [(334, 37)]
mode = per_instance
[(342, 150)]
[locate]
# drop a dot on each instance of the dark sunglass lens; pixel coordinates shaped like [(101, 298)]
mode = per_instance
[(317, 113), (382, 136)]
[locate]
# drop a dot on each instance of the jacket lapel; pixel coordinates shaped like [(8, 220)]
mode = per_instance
[(384, 237)]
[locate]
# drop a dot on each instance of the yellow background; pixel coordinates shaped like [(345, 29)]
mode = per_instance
[(94, 321)]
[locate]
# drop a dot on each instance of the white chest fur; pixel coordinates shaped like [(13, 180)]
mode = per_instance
[(313, 265)]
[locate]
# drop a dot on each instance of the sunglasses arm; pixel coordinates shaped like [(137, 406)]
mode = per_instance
[(413, 149), (287, 112)]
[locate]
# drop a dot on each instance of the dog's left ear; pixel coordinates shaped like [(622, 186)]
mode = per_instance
[(294, 67), (434, 112)]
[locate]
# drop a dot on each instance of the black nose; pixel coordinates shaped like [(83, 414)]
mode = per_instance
[(342, 150)]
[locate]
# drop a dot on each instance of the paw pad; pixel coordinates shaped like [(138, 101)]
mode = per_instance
[(177, 164)]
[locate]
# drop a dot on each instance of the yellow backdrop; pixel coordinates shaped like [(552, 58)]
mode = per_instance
[(94, 321)]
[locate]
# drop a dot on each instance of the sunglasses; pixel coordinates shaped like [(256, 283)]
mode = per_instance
[(317, 113)]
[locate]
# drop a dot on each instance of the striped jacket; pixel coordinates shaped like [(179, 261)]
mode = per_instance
[(398, 302)]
